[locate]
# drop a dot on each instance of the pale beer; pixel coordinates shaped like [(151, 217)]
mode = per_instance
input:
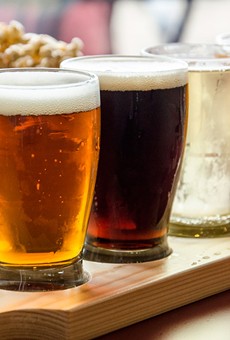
[(202, 203)]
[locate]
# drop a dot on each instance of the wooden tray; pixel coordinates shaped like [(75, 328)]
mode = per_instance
[(119, 295)]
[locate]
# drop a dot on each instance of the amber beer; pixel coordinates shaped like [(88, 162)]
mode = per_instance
[(48, 160), (143, 107)]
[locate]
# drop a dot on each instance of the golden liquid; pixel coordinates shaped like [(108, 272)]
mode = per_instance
[(48, 167)]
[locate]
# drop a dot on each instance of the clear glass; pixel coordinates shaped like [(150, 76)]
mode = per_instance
[(143, 107), (202, 203), (49, 135)]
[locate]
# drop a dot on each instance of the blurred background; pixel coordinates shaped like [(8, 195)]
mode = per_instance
[(121, 26)]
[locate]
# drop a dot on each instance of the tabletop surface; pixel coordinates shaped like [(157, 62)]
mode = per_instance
[(205, 319)]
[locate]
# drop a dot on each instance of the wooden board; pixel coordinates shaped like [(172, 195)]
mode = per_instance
[(119, 295)]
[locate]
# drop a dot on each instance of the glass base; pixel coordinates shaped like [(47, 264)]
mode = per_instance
[(42, 279), (98, 254), (198, 228)]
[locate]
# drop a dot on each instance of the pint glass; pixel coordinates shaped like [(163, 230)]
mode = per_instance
[(202, 204), (143, 105), (49, 135)]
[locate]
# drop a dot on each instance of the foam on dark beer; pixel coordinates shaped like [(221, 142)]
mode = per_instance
[(143, 73)]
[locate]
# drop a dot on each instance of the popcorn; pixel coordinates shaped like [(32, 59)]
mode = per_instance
[(20, 49)]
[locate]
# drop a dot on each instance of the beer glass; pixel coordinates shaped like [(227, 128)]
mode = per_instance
[(143, 104), (202, 203), (49, 135)]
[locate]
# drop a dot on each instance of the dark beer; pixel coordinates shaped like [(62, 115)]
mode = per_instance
[(143, 122), (141, 145), (48, 161)]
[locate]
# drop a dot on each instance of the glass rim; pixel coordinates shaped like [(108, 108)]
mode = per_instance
[(180, 55), (182, 65), (90, 78)]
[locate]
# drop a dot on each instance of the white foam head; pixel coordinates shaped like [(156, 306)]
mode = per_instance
[(132, 72), (47, 91)]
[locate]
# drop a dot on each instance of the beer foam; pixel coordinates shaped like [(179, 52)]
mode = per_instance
[(50, 92), (130, 73)]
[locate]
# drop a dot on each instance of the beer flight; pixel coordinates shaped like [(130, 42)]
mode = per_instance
[(104, 157)]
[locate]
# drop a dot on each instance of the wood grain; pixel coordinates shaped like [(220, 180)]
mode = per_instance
[(119, 295)]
